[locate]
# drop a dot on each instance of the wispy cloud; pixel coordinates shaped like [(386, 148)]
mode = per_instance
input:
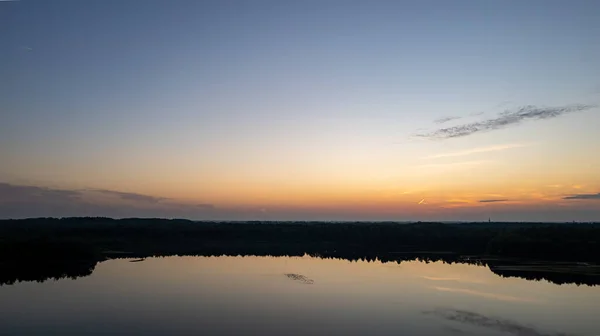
[(445, 119), (19, 201), (478, 150), (583, 197), (13, 193), (131, 196), (493, 200), (505, 119)]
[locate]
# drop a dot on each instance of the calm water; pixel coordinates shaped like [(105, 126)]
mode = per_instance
[(295, 296)]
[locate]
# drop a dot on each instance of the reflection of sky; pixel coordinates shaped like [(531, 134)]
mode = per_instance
[(304, 109), (227, 295)]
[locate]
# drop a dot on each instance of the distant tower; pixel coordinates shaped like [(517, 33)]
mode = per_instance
[(490, 220)]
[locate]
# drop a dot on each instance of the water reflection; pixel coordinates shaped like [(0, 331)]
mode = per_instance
[(45, 270), (268, 296), (556, 273), (488, 322), (487, 294), (300, 278)]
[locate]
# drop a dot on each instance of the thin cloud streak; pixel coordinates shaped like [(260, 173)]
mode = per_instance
[(19, 201), (583, 197), (131, 196), (478, 150), (493, 200), (14, 193), (445, 119), (504, 120)]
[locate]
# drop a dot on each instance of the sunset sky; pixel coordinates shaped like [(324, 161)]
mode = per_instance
[(301, 110)]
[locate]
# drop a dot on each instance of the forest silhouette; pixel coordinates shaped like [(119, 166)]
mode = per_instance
[(50, 248)]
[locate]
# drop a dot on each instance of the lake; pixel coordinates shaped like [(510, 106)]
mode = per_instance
[(296, 296)]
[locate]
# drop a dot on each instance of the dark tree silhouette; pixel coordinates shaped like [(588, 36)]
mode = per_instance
[(73, 246)]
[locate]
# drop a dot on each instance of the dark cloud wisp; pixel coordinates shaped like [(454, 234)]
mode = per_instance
[(505, 119), (492, 200), (583, 197), (131, 196), (18, 193), (21, 201)]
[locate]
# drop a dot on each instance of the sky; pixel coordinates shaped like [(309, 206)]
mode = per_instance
[(301, 110)]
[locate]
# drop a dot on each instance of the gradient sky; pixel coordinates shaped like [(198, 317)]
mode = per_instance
[(334, 110)]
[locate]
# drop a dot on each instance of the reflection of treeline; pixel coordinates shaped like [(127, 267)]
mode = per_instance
[(17, 272), (559, 278), (39, 259), (73, 268), (79, 240), (561, 273)]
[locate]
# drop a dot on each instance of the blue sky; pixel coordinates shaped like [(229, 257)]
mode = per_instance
[(286, 104)]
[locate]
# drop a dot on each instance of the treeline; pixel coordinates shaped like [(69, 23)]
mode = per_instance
[(578, 242), (75, 245)]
